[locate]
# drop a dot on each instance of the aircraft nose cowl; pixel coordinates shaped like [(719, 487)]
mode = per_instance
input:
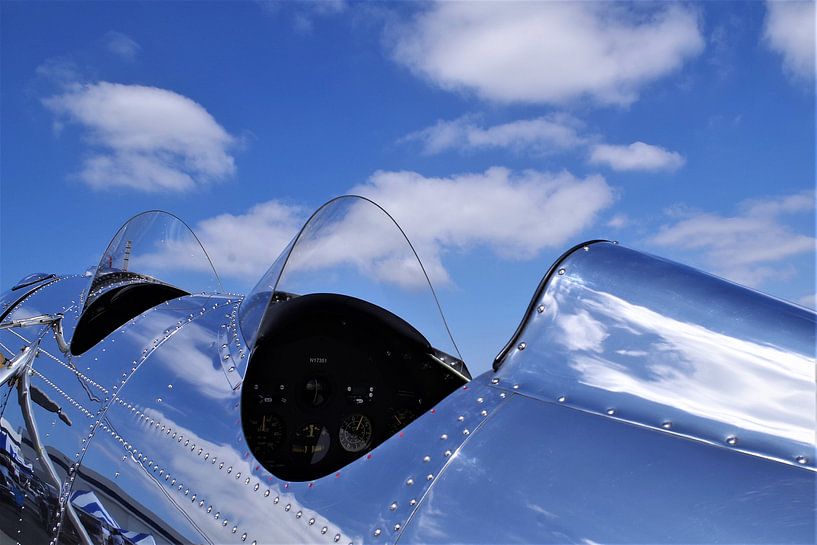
[(641, 339)]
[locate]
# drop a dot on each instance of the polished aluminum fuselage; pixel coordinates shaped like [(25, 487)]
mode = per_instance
[(640, 401)]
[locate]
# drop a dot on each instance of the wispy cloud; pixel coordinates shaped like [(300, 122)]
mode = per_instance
[(539, 135), (243, 246), (789, 30), (145, 138), (547, 52), (636, 156), (122, 45), (749, 246), (809, 301), (556, 132)]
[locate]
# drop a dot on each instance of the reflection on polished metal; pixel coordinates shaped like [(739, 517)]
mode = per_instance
[(674, 349), (640, 402)]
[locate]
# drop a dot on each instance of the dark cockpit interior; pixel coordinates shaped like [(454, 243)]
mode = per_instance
[(331, 377), (114, 299)]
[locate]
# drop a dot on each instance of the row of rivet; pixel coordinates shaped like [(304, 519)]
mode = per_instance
[(59, 390), (730, 440), (467, 425), (146, 353), (75, 371), (143, 460)]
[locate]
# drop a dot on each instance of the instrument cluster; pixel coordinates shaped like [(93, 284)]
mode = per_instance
[(332, 377)]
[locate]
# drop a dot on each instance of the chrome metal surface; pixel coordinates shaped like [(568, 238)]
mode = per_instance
[(538, 472), (640, 402), (32, 279), (662, 343)]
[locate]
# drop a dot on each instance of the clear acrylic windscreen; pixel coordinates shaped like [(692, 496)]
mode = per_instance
[(155, 246), (351, 246)]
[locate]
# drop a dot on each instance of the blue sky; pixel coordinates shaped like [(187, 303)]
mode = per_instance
[(497, 134)]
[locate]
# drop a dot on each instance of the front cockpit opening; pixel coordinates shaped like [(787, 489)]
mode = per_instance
[(113, 303), (153, 258)]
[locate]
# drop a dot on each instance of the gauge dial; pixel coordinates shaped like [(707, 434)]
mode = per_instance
[(355, 433), (311, 442), (268, 430), (315, 392), (399, 419)]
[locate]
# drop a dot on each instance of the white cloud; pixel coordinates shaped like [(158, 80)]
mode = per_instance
[(243, 246), (540, 135), (619, 221), (809, 301), (789, 30), (145, 138), (515, 215), (636, 156), (122, 45), (547, 52), (308, 11), (746, 248)]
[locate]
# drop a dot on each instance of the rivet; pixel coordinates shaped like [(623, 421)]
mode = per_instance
[(522, 345), (461, 418), (393, 506), (561, 272), (483, 412), (244, 536), (480, 400), (447, 453), (409, 482), (413, 502), (288, 507), (666, 425), (465, 431), (586, 248), (502, 395), (426, 459), (732, 440), (376, 532), (444, 436), (495, 380), (429, 477), (336, 538), (311, 521), (561, 399), (540, 309), (396, 527), (801, 460), (611, 412)]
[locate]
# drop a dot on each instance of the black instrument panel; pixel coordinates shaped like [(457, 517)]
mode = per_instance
[(330, 378)]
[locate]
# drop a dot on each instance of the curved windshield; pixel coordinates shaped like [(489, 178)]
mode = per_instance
[(158, 247), (351, 246)]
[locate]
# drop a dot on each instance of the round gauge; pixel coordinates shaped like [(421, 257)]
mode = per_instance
[(268, 433), (311, 442), (315, 392), (355, 433), (400, 418)]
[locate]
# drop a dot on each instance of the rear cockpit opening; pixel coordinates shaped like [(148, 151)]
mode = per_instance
[(330, 378)]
